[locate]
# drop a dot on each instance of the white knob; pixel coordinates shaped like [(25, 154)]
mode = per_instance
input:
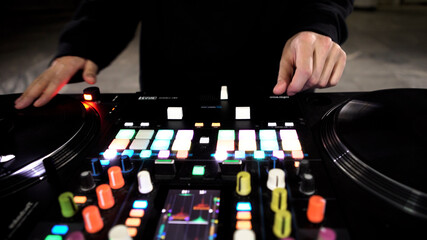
[(276, 178), (144, 182), (119, 232), (244, 234)]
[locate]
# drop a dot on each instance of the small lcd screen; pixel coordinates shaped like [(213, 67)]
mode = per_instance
[(189, 214)]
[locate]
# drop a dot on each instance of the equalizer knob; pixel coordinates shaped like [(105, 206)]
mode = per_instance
[(282, 225), (144, 182), (92, 219), (307, 186), (67, 204), (105, 196), (119, 232), (316, 209), (279, 200), (276, 179), (86, 181), (116, 177), (304, 167), (243, 183)]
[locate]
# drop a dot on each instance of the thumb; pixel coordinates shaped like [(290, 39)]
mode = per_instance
[(90, 70), (284, 78)]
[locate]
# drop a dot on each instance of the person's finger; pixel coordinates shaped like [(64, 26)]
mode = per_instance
[(35, 89), (338, 70), (286, 71), (89, 72), (303, 69), (322, 50)]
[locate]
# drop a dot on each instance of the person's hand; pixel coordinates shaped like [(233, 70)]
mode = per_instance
[(48, 84), (309, 60)]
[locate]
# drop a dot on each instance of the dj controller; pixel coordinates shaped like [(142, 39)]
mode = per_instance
[(317, 166)]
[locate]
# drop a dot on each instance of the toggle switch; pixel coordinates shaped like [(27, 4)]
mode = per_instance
[(276, 179), (144, 182), (119, 232), (105, 196), (67, 204), (92, 219), (316, 209), (87, 182), (243, 183), (115, 177), (282, 225), (307, 186), (279, 200)]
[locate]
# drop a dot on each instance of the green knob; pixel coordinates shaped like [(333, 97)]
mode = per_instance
[(67, 204)]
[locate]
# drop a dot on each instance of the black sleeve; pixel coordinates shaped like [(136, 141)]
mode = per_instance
[(99, 30), (325, 17)]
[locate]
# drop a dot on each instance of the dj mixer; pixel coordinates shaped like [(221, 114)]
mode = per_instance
[(129, 166)]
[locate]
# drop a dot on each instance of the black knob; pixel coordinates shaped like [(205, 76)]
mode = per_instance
[(86, 181), (304, 167), (307, 184)]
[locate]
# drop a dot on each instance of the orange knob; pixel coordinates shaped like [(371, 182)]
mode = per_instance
[(116, 177), (92, 219), (105, 196), (316, 209)]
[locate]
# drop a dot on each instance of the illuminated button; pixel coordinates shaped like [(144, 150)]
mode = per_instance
[(165, 134), (92, 219), (128, 152), (272, 124), (243, 215), (104, 162), (80, 199), (259, 155), (243, 183), (279, 200), (53, 237), (244, 234), (128, 124), (216, 124), (225, 145), (174, 113), (287, 134), (221, 155), (125, 134), (182, 154), (282, 225), (291, 145), (163, 154), (198, 170), (139, 144), (247, 135), (67, 204), (144, 182), (132, 231), (159, 144), (136, 213), (144, 124), (140, 204), (297, 154), (133, 222), (276, 179), (243, 113), (279, 154), (269, 145), (87, 97), (226, 135), (267, 134), (244, 206), (115, 177), (105, 196), (316, 209), (199, 124), (289, 124), (119, 144), (145, 134), (181, 144), (204, 140), (247, 145), (145, 154), (119, 232), (110, 154), (239, 154), (59, 229), (185, 134), (243, 224)]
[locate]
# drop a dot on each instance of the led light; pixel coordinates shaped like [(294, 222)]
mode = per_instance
[(80, 199), (144, 124), (204, 140), (279, 154), (226, 135), (164, 134), (216, 124), (104, 162), (119, 144), (140, 204), (225, 145), (133, 222), (267, 134), (128, 124), (53, 237), (221, 155), (136, 213), (110, 154), (289, 124), (244, 206), (132, 231), (59, 229), (128, 152), (247, 135), (139, 144), (160, 144), (239, 154), (163, 154), (145, 134), (185, 134), (199, 124), (297, 154), (198, 170), (272, 124), (269, 145), (182, 154), (259, 155), (87, 97), (243, 215), (145, 154), (125, 134), (243, 224)]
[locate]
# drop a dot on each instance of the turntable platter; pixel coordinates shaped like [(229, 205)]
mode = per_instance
[(60, 130), (379, 140)]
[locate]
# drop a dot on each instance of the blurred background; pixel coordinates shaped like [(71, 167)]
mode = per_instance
[(386, 48)]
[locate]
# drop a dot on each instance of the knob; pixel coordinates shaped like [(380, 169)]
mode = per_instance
[(279, 199), (91, 94), (67, 204), (144, 182), (105, 196), (119, 232), (96, 167), (282, 224), (116, 177), (304, 167), (276, 179), (92, 219), (316, 209), (86, 181), (326, 234), (76, 235), (127, 164), (243, 183), (244, 234), (307, 184)]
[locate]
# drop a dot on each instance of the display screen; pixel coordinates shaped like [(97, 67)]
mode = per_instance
[(189, 214)]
